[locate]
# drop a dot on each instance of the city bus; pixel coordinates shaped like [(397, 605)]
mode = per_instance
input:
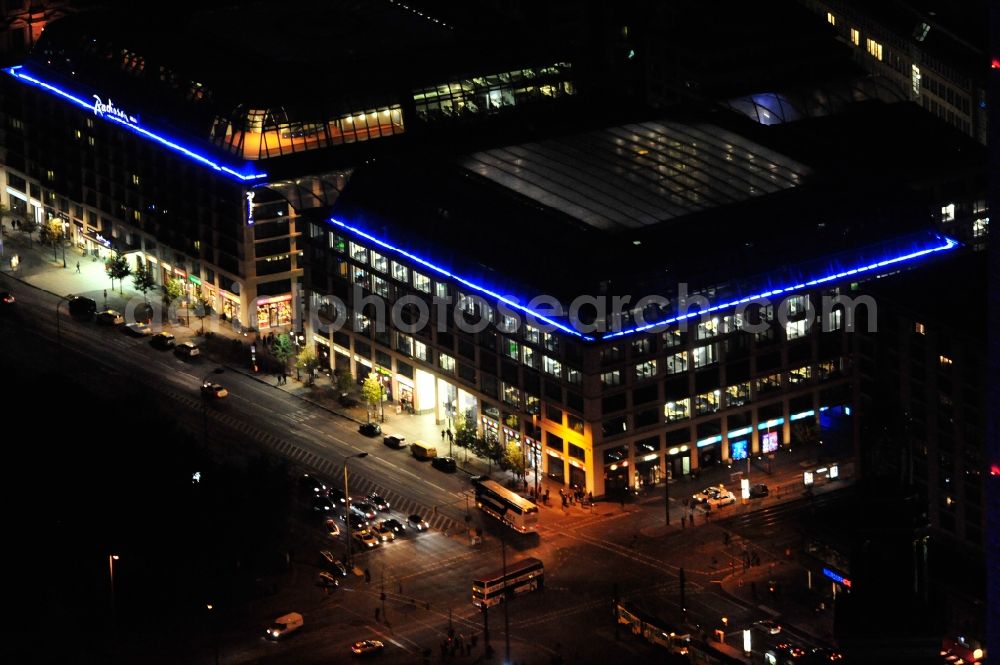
[(519, 577), (509, 507)]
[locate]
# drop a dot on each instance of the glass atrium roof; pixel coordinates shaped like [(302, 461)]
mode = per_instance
[(638, 175)]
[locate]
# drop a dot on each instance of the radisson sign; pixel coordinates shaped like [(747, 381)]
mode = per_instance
[(102, 109)]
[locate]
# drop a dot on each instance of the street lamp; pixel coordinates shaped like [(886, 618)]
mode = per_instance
[(111, 568), (347, 507), (214, 629)]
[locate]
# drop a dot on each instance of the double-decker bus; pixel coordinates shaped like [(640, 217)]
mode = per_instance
[(510, 508), (520, 577)]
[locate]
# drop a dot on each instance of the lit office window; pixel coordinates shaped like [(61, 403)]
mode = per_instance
[(874, 49), (672, 338), (915, 79), (948, 213), (738, 395), (645, 370), (800, 375), (380, 286), (532, 334), (705, 355), (612, 378), (379, 262), (919, 328), (551, 366), (441, 290), (831, 19), (796, 329), (359, 253), (677, 363), (678, 410), (421, 282), (531, 357), (708, 402), (400, 272), (835, 320), (980, 227), (511, 349), (707, 329), (446, 362), (855, 37), (419, 350), (641, 347)]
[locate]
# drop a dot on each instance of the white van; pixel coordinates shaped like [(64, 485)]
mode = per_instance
[(284, 625), (421, 450)]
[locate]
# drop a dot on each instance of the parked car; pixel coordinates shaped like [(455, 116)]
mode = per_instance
[(187, 350), (332, 528), (213, 391), (758, 491), (366, 647), (417, 522), (355, 521), (326, 580), (335, 565), (321, 504), (367, 538), (370, 429), (443, 463), (394, 441), (378, 501), (769, 625), (395, 525), (163, 340), (110, 317), (138, 329), (336, 495), (347, 401), (81, 307)]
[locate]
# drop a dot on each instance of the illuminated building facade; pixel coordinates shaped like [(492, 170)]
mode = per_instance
[(631, 211), (198, 161)]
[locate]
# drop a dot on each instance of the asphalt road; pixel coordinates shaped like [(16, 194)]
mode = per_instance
[(426, 577)]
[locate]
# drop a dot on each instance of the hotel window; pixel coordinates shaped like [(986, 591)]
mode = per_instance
[(800, 375), (380, 286), (855, 37), (707, 329), (532, 334), (672, 338), (678, 410), (708, 402), (404, 344), (641, 347), (704, 355), (510, 394), (948, 213), (531, 357), (677, 363), (419, 350), (379, 262), (831, 19), (980, 227), (574, 376), (796, 329), (834, 320), (359, 253), (612, 378), (551, 366), (421, 282), (511, 349), (738, 395), (446, 362), (612, 354), (874, 48), (770, 383), (441, 290), (645, 370), (400, 272), (919, 328)]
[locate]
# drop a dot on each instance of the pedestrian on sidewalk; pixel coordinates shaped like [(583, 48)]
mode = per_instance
[(77, 266), (442, 436), (683, 521)]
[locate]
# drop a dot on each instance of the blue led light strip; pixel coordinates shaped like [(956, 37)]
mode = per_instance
[(201, 159), (461, 280), (946, 244)]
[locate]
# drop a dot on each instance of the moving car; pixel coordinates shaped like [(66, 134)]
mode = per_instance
[(395, 525), (770, 625), (311, 484), (366, 647), (110, 317), (336, 495), (758, 491), (417, 522), (363, 509), (187, 350), (335, 565), (366, 538), (370, 429), (213, 391), (284, 626), (378, 501), (332, 528), (138, 329), (723, 498), (321, 504), (384, 533), (355, 521), (443, 463), (326, 580), (163, 340), (394, 441), (6, 299), (707, 493), (422, 451)]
